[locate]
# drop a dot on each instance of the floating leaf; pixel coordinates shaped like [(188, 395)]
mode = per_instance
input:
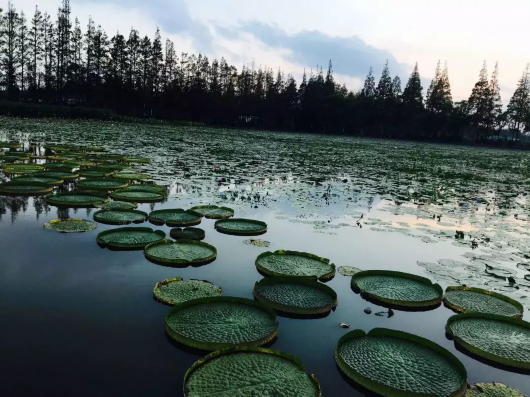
[(493, 389), (56, 174), (175, 290), (95, 173), (293, 263), (182, 252), (348, 270), (241, 227), (189, 233), (175, 217), (131, 176), (102, 184), (117, 205), (30, 179), (137, 197), (257, 243), (71, 225), (76, 199), (120, 217), (129, 237), (213, 211), (22, 189), (140, 160), (466, 299)]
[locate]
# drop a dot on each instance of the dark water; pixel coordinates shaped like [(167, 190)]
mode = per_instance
[(79, 320)]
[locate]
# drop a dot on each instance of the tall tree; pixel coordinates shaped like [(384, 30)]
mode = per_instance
[(495, 105), (89, 49), (519, 107), (432, 94), (479, 101), (133, 53), (49, 53), (23, 51), (369, 85), (157, 63), (36, 42), (384, 86), (412, 95), (63, 32), (396, 89), (9, 56)]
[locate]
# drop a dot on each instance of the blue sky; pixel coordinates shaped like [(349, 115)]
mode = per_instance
[(301, 34)]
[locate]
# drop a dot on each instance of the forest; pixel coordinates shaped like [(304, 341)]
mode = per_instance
[(52, 66)]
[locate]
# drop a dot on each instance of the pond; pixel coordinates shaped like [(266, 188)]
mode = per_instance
[(79, 319)]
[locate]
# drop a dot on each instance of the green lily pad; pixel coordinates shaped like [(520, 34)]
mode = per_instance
[(213, 211), (22, 188), (130, 237), (397, 288), (102, 184), (139, 160), (117, 205), (500, 339), (348, 271), (493, 389), (241, 227), (57, 174), (137, 197), (95, 173), (120, 217), (221, 322), (175, 290), (466, 299), (249, 372), (182, 252), (175, 217), (76, 198), (132, 176), (144, 187), (106, 166), (21, 168), (293, 263), (29, 179), (10, 145), (71, 225), (257, 243), (295, 295), (189, 233), (395, 363)]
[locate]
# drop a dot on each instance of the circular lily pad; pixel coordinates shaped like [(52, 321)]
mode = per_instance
[(397, 288), (175, 217), (130, 237), (241, 227), (117, 205), (189, 233), (10, 145), (21, 168), (76, 199), (21, 189), (295, 295), (137, 197), (249, 372), (29, 179), (213, 211), (500, 339), (493, 389), (466, 299), (221, 322), (144, 187), (139, 160), (95, 173), (71, 225), (132, 176), (182, 252), (293, 263), (57, 174), (120, 217), (395, 363), (102, 184), (175, 290)]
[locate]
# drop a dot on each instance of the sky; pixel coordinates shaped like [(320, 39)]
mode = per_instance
[(355, 34)]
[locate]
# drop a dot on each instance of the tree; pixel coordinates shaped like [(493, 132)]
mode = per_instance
[(157, 63), (35, 47), (133, 53), (479, 100), (76, 70), (439, 98), (23, 52), (368, 90), (9, 56), (495, 103), (89, 49), (518, 110), (62, 43), (412, 95), (49, 53), (396, 89), (384, 86)]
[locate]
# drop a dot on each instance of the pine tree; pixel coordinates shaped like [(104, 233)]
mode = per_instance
[(170, 66), (62, 56), (478, 102), (89, 50), (101, 50), (157, 62), (495, 104), (23, 51), (384, 87), (9, 56), (368, 90), (431, 99), (396, 89), (36, 42), (439, 98), (133, 52), (76, 70), (329, 84), (49, 52), (412, 95), (519, 107)]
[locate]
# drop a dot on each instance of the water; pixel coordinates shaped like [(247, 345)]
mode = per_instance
[(80, 320)]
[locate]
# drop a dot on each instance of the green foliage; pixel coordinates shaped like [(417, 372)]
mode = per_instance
[(102, 184), (30, 179), (117, 205), (241, 227), (174, 291), (71, 225), (493, 389), (182, 252), (76, 198), (295, 264), (175, 217), (120, 216), (137, 196), (213, 211), (466, 299), (130, 237), (25, 188)]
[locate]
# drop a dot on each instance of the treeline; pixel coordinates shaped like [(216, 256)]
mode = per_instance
[(54, 61)]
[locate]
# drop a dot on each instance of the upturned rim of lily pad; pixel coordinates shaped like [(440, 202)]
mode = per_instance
[(242, 350), (175, 223), (160, 234), (396, 302), (200, 233), (100, 219), (149, 197), (158, 297), (504, 298), (386, 390), (219, 226), (50, 225), (172, 261), (295, 309), (89, 184), (36, 188), (524, 365), (55, 198), (229, 211)]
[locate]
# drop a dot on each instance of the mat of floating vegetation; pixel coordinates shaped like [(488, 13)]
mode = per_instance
[(395, 363), (466, 299), (213, 211), (23, 188), (182, 252), (189, 233), (76, 198), (102, 184), (348, 270), (175, 217), (29, 179), (120, 217), (500, 339), (250, 371), (221, 322), (175, 290), (493, 389), (293, 263), (295, 295), (71, 225), (257, 243), (95, 173), (139, 160), (132, 176), (241, 227), (397, 288), (130, 237), (117, 205), (137, 197), (57, 174)]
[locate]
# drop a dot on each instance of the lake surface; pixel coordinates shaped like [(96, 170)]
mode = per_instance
[(81, 320)]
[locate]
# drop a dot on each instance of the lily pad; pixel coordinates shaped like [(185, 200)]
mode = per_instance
[(295, 295), (395, 363), (182, 252), (500, 339), (221, 322), (466, 299), (348, 270), (95, 173), (493, 389), (175, 290), (22, 188), (130, 237), (144, 187), (76, 199), (213, 211), (137, 197), (175, 217), (189, 233), (293, 263), (132, 176), (241, 227), (397, 288), (117, 205), (29, 179), (57, 174), (139, 160), (71, 225), (102, 184), (249, 372), (120, 217)]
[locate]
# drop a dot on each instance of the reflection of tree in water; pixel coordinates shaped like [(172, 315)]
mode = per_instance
[(62, 213), (88, 212), (39, 203), (14, 204)]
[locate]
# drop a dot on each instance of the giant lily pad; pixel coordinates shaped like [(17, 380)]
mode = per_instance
[(175, 290), (249, 372), (493, 389), (466, 299), (221, 322), (57, 174), (500, 339), (137, 197), (22, 188), (397, 288), (132, 176), (189, 233), (29, 179), (175, 217), (102, 184), (21, 168), (76, 199), (95, 173), (139, 160), (10, 145), (117, 205), (395, 363), (71, 225), (182, 252), (241, 227), (295, 295), (120, 217), (130, 237), (213, 211), (293, 263)]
